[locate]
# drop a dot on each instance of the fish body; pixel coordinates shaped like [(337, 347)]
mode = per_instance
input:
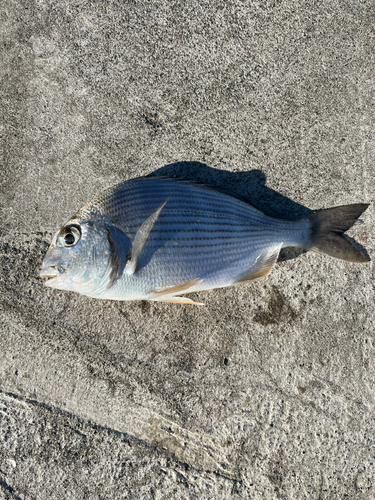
[(155, 238)]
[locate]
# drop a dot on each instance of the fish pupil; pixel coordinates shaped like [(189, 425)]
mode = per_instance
[(69, 239)]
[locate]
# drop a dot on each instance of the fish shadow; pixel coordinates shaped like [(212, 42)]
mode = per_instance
[(249, 186)]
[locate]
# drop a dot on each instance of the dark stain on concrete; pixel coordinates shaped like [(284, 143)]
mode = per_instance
[(152, 120), (145, 306), (277, 311)]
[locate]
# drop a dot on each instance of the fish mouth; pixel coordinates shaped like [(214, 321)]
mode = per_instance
[(51, 272)]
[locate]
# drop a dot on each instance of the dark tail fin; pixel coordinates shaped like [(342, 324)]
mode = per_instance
[(327, 228)]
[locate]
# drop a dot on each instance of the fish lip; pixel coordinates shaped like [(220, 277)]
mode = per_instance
[(51, 272)]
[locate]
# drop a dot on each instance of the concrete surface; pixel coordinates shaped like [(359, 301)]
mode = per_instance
[(268, 392)]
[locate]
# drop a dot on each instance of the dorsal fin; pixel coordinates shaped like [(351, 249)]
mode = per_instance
[(204, 185)]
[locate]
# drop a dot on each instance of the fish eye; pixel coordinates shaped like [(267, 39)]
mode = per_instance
[(69, 236)]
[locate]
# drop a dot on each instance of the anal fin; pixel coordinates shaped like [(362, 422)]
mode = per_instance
[(262, 266)]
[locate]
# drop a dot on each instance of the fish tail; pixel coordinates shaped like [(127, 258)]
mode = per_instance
[(326, 232)]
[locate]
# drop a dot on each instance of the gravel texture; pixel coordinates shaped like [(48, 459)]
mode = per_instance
[(267, 392)]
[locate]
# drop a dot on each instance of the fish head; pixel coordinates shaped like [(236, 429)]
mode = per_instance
[(78, 255)]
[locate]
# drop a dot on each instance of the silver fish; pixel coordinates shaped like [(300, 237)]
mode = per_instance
[(155, 238)]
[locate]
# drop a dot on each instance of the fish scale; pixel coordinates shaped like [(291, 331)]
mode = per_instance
[(231, 243), (155, 238)]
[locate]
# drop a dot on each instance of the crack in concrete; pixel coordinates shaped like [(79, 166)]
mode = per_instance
[(7, 489), (134, 439)]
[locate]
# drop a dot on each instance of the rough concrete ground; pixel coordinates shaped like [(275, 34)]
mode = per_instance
[(268, 392)]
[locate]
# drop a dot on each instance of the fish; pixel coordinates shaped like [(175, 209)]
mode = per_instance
[(158, 238)]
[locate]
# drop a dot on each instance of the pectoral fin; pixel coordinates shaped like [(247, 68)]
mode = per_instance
[(141, 238)]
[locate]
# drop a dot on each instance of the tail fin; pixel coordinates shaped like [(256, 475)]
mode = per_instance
[(326, 230)]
